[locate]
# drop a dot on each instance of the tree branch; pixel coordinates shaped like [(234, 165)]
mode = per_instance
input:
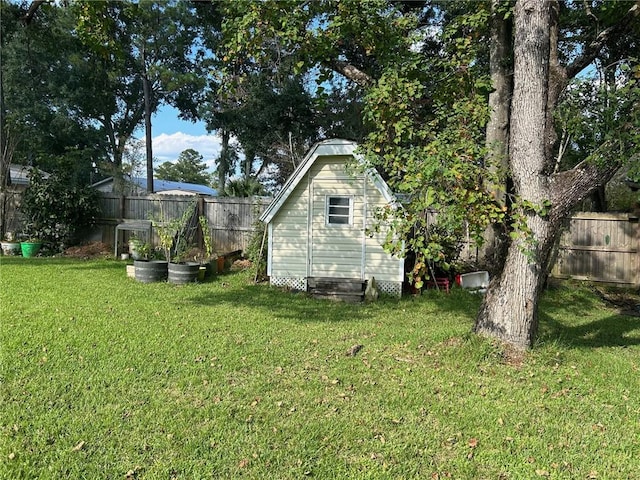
[(351, 72), (592, 50), (571, 186), (33, 8)]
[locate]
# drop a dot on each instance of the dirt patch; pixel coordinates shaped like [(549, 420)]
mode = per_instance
[(89, 251), (512, 356), (241, 265), (626, 302)]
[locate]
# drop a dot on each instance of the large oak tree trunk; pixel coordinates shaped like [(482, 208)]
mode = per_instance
[(509, 310), (497, 134)]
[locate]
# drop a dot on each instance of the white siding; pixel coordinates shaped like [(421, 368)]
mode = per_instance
[(290, 234), (379, 263), (339, 251), (332, 168), (336, 250)]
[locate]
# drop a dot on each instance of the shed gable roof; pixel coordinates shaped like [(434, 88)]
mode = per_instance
[(326, 148)]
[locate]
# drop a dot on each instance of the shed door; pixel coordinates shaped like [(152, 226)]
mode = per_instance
[(336, 243)]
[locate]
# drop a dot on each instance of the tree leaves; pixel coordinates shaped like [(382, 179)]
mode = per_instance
[(189, 168)]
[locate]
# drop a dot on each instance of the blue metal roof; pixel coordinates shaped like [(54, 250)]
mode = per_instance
[(164, 185)]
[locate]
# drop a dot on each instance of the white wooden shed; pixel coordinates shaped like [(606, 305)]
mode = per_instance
[(317, 224)]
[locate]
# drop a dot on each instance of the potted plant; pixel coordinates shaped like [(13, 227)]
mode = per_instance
[(170, 233), (10, 246), (149, 268), (30, 247), (154, 270), (138, 249), (33, 243), (180, 270)]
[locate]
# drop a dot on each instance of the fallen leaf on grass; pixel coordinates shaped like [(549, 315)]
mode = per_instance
[(403, 359), (243, 463), (79, 446), (354, 350), (132, 474)]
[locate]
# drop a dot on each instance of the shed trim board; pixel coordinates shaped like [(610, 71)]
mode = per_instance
[(299, 213), (309, 249), (363, 239)]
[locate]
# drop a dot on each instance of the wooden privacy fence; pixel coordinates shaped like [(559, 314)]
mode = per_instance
[(600, 247), (231, 220)]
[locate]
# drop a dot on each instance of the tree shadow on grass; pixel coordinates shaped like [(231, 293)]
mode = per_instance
[(611, 331), (277, 303), (577, 317), (301, 307), (67, 262)]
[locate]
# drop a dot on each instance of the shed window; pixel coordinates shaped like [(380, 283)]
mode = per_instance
[(339, 210)]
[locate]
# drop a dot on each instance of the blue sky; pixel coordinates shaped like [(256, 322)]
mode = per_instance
[(166, 121), (172, 135)]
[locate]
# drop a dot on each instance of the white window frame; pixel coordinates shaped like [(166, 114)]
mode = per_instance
[(329, 216)]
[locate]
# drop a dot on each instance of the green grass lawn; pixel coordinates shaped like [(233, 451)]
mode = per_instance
[(106, 378)]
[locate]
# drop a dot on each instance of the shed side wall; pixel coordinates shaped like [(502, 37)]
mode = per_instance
[(335, 251), (290, 233), (378, 263)]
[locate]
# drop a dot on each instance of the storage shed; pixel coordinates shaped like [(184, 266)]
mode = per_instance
[(317, 225)]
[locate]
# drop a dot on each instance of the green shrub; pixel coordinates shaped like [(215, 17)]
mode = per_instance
[(58, 211), (256, 251)]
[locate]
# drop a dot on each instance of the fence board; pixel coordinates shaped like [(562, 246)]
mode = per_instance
[(600, 247)]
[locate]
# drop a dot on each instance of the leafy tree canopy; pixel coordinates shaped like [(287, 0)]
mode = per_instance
[(189, 168), (45, 86)]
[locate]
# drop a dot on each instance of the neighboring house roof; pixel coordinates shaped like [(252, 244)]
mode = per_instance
[(333, 147), (20, 174), (166, 186)]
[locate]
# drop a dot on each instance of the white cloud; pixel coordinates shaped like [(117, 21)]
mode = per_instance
[(167, 147)]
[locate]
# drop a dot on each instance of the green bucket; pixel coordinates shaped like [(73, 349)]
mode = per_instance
[(30, 249)]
